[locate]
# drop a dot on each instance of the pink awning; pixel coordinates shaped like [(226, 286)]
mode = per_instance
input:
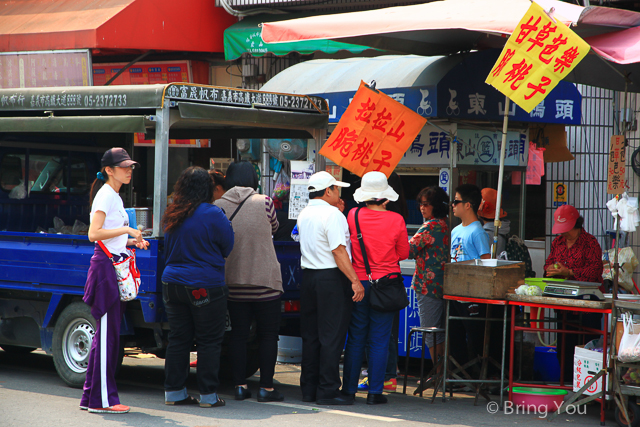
[(448, 26), (622, 46)]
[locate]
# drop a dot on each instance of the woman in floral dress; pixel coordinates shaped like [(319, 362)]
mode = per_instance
[(429, 247)]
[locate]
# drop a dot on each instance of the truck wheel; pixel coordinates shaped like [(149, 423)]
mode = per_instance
[(16, 349), (72, 338), (634, 416)]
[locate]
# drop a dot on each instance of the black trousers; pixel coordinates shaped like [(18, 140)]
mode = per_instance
[(202, 319), (325, 312), (267, 315)]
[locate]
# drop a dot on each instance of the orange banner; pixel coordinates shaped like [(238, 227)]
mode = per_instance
[(373, 134)]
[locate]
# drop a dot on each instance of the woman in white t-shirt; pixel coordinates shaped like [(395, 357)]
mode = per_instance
[(109, 224)]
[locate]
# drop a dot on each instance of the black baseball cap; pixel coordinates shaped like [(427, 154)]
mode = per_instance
[(117, 157)]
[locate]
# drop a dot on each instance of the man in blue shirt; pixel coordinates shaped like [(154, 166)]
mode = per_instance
[(468, 241)]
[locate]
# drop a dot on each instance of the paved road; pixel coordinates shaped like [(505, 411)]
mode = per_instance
[(31, 394)]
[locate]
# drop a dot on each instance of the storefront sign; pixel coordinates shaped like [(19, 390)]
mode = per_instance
[(45, 69), (143, 73), (245, 98), (463, 94), (482, 148), (373, 134), (616, 180), (431, 147), (422, 100), (559, 194), (539, 53), (459, 97)]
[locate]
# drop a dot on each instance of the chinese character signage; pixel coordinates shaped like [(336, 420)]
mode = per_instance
[(45, 69), (482, 147), (616, 181), (432, 146), (537, 56), (373, 134), (422, 100)]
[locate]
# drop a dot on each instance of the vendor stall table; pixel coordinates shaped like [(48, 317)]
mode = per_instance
[(484, 359), (562, 305)]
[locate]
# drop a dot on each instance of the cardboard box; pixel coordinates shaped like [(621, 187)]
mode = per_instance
[(586, 364), (488, 278)]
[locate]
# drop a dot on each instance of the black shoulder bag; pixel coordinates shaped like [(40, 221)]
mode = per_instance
[(387, 293)]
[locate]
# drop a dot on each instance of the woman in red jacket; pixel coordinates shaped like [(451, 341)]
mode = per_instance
[(386, 243), (576, 255)]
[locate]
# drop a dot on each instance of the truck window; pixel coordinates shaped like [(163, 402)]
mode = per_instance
[(48, 174), (11, 172)]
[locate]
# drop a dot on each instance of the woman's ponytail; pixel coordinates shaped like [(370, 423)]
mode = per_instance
[(101, 179)]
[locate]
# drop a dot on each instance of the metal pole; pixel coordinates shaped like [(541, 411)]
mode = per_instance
[(496, 222), (161, 167)]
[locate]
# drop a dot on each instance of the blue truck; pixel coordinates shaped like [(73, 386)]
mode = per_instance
[(51, 142)]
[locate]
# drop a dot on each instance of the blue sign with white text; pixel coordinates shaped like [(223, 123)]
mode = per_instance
[(463, 94)]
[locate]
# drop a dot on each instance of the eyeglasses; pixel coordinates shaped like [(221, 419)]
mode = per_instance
[(132, 167), (424, 204), (455, 202)]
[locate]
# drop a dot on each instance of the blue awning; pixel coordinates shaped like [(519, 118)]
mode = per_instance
[(450, 87)]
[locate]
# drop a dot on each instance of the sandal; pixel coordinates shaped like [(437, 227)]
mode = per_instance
[(220, 402), (189, 400)]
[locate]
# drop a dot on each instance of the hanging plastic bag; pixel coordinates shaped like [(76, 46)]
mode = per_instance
[(535, 166), (628, 263), (629, 350), (281, 189)]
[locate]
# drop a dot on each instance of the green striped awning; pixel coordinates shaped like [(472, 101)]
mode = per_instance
[(244, 37)]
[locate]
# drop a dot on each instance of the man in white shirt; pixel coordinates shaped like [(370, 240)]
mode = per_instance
[(329, 285)]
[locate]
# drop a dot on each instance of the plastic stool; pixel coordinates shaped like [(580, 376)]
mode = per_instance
[(422, 331)]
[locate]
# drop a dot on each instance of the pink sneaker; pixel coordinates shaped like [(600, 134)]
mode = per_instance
[(115, 409)]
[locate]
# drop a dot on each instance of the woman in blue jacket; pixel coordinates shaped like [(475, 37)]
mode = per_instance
[(198, 238)]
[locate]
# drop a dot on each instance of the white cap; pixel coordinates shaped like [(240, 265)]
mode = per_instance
[(321, 180), (374, 186)]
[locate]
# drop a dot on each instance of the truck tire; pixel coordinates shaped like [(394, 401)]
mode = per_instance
[(16, 349), (72, 338), (634, 414)]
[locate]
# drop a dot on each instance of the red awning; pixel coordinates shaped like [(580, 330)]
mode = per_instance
[(443, 27), (163, 25)]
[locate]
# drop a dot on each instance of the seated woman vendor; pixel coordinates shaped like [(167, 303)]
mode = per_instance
[(576, 255)]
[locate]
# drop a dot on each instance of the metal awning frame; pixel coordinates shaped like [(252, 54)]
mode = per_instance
[(171, 111)]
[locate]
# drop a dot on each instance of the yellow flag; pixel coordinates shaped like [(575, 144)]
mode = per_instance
[(538, 55)]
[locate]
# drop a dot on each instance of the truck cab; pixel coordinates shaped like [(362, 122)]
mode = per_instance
[(51, 142)]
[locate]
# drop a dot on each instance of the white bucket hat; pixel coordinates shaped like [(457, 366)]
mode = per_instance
[(374, 186)]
